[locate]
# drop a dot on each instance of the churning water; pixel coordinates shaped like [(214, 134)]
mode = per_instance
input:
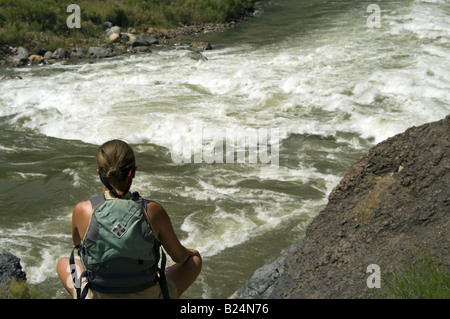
[(314, 71)]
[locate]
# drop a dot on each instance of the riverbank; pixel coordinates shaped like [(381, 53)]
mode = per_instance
[(115, 43), (384, 232), (117, 40)]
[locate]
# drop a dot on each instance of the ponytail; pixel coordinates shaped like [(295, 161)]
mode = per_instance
[(115, 160)]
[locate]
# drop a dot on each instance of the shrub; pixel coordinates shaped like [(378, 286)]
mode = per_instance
[(426, 279)]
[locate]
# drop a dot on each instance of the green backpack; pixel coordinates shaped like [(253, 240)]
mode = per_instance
[(119, 252)]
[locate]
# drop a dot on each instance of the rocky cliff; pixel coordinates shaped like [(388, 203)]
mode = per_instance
[(391, 207)]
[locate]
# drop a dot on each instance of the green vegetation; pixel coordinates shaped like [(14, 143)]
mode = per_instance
[(427, 279), (19, 289), (43, 22)]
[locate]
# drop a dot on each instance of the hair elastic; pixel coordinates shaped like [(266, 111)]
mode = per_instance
[(111, 189)]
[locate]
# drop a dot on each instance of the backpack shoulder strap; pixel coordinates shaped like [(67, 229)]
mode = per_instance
[(162, 276), (139, 199), (81, 292), (96, 201)]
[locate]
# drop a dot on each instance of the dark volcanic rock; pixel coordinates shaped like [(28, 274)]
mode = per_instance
[(263, 282), (390, 209), (10, 268)]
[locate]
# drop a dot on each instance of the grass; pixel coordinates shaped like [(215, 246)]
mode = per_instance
[(19, 289), (30, 22), (426, 279)]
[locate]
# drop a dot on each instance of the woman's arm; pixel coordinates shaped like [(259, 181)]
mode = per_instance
[(163, 230), (81, 217)]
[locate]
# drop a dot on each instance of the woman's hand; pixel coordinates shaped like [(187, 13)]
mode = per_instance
[(163, 230)]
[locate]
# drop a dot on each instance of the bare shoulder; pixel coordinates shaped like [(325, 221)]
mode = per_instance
[(83, 207), (156, 213), (154, 209), (157, 216), (82, 215)]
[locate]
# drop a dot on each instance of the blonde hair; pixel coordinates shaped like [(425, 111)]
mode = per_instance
[(114, 160)]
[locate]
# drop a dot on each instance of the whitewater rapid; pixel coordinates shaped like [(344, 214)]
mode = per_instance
[(328, 84)]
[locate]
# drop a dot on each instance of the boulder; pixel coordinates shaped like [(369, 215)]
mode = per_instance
[(10, 267), (201, 45), (39, 50), (114, 37), (100, 52), (196, 56), (77, 54), (20, 57), (60, 53), (48, 55), (36, 59), (125, 36), (160, 33), (107, 25), (145, 40), (262, 283), (113, 30), (15, 62), (141, 49), (22, 53)]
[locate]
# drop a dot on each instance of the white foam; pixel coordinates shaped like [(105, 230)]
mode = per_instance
[(6, 149), (371, 83), (30, 175), (224, 230), (75, 175), (152, 104), (37, 274), (221, 229)]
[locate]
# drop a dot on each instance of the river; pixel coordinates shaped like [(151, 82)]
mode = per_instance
[(319, 77)]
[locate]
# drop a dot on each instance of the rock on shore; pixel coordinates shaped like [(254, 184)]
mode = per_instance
[(10, 267), (391, 208), (115, 42)]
